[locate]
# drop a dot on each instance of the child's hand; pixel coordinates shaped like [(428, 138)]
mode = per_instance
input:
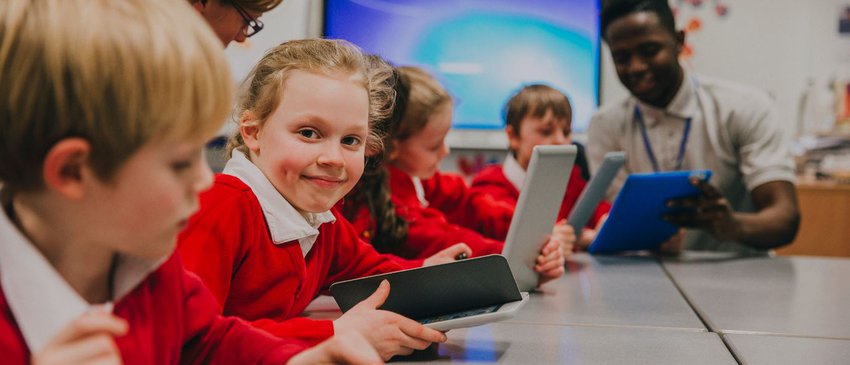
[(588, 235), (550, 263), (344, 348), (565, 235), (88, 339), (389, 333), (448, 255)]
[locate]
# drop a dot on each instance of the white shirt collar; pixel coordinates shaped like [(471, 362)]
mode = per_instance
[(513, 171), (42, 302), (420, 190), (683, 106), (285, 223)]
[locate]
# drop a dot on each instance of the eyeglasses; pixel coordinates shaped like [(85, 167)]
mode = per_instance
[(252, 25)]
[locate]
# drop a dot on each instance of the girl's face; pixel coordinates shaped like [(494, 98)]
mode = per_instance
[(420, 154), (533, 131), (312, 146)]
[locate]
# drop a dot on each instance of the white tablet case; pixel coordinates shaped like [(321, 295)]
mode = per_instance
[(537, 209)]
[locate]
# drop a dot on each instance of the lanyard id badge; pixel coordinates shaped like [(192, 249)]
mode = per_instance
[(680, 158)]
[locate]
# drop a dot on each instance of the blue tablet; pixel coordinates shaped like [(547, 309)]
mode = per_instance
[(634, 222)]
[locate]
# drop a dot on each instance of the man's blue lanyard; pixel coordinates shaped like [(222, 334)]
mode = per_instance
[(648, 145)]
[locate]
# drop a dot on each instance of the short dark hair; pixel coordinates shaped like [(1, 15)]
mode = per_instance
[(534, 101), (616, 9)]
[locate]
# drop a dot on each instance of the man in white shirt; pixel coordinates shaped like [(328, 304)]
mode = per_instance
[(674, 120)]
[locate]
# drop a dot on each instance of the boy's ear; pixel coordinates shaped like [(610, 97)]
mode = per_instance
[(513, 137), (249, 128), (64, 167)]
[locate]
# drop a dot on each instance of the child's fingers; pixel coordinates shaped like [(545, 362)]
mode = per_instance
[(551, 254), (377, 298), (550, 265), (418, 331), (95, 348), (414, 343), (458, 249), (89, 324)]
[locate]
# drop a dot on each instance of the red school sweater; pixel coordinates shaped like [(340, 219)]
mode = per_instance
[(429, 228), (492, 181), (228, 244), (172, 319)]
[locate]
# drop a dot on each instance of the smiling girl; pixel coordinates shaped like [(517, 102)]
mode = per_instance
[(266, 241)]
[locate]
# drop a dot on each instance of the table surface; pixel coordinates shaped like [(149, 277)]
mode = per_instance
[(769, 350), (611, 291), (797, 296), (613, 309), (517, 343)]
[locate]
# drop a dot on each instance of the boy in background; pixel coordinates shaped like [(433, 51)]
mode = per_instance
[(538, 115)]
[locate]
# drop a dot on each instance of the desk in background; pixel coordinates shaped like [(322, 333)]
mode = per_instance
[(825, 225)]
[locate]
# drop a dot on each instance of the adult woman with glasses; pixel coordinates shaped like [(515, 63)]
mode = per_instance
[(234, 20)]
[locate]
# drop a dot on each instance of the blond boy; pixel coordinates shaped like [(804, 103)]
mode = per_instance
[(104, 110)]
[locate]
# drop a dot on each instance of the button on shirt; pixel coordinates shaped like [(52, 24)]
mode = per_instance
[(735, 132)]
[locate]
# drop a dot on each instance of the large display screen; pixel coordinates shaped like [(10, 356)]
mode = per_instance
[(482, 50)]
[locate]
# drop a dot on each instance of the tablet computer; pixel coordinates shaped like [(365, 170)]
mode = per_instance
[(537, 210), (634, 222), (458, 294), (595, 190)]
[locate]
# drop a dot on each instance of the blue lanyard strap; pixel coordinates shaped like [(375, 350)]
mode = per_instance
[(648, 145)]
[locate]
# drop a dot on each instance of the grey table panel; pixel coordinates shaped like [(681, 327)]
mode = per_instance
[(760, 349), (611, 291), (797, 296), (516, 343)]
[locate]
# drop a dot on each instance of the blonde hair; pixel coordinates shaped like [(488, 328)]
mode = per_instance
[(264, 86), (425, 96), (115, 73)]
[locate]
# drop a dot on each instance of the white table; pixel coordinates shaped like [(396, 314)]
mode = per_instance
[(611, 291), (515, 343), (796, 296), (769, 350)]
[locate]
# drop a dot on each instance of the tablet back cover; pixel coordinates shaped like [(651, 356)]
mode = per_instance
[(436, 290), (634, 222)]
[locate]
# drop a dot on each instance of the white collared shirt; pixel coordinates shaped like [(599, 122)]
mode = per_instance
[(513, 171), (41, 300), (285, 223)]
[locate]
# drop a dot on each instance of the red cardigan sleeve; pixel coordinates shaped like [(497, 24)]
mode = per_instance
[(473, 209), (354, 258), (213, 339), (429, 232), (491, 180)]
